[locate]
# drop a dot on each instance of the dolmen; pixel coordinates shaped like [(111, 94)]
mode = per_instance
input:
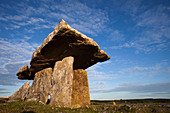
[(57, 69)]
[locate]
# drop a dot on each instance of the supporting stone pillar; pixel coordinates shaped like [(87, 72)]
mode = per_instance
[(40, 88), (62, 81), (80, 95)]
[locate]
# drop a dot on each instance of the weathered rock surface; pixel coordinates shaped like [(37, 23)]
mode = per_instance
[(23, 72), (65, 41), (62, 81), (80, 93), (40, 88), (21, 92)]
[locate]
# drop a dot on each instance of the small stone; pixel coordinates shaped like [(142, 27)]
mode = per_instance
[(23, 72), (20, 93), (106, 108)]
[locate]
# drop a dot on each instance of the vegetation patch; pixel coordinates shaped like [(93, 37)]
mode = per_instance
[(122, 106)]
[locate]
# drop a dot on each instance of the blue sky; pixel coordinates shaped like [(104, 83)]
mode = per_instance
[(135, 33)]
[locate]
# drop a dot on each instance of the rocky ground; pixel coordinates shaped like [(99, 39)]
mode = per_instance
[(122, 106)]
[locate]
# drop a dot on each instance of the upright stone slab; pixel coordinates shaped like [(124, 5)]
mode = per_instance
[(62, 81), (40, 88), (80, 93), (21, 92)]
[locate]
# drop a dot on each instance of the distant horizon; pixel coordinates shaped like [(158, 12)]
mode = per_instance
[(120, 99), (139, 99)]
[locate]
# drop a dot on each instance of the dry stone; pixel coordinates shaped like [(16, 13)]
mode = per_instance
[(62, 81), (40, 88), (20, 93), (80, 93)]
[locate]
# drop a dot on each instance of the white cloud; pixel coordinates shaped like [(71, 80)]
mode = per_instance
[(15, 17), (10, 68), (116, 36), (139, 69), (82, 17), (151, 26), (14, 53), (145, 71), (95, 72), (21, 22), (155, 35), (12, 26), (131, 7), (97, 85), (4, 91), (125, 45), (35, 20), (138, 88), (77, 14), (27, 37), (15, 50), (154, 17), (3, 19), (8, 73)]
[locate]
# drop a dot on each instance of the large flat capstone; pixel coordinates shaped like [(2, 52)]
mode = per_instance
[(65, 41)]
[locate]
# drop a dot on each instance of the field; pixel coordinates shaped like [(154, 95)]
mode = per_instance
[(97, 106)]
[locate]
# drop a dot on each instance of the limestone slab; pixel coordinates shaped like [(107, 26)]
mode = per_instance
[(62, 81), (40, 88), (80, 93)]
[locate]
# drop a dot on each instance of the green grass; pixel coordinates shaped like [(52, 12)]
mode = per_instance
[(123, 106)]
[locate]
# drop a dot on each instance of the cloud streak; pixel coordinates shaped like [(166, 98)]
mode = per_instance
[(4, 91), (95, 72), (14, 54), (154, 88), (152, 25), (72, 11), (15, 50), (8, 73)]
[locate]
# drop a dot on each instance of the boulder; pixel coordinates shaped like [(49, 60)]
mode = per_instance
[(21, 92), (65, 41), (80, 93), (23, 72), (62, 81), (40, 88)]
